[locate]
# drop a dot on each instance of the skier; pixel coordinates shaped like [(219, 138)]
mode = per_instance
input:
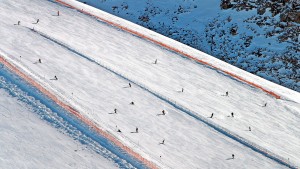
[(226, 93), (37, 21), (163, 142), (119, 131), (136, 130), (129, 85), (55, 77), (40, 61), (182, 90), (232, 156), (57, 13), (249, 128), (155, 62), (265, 105), (232, 115), (212, 115), (115, 111), (132, 103), (19, 22), (163, 112)]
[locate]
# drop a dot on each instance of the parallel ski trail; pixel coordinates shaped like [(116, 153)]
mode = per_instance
[(169, 47), (47, 110), (173, 103)]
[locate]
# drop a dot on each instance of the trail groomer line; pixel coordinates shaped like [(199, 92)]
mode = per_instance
[(171, 48), (79, 116)]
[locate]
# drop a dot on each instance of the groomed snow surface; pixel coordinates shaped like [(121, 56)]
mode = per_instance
[(95, 62), (28, 142)]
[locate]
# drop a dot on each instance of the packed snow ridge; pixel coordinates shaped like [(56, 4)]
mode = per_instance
[(171, 110)]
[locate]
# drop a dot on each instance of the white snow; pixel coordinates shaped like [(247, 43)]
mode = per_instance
[(83, 53), (28, 142), (205, 26)]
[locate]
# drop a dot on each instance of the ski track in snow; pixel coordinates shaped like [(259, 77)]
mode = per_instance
[(173, 49), (167, 100), (191, 113), (47, 110)]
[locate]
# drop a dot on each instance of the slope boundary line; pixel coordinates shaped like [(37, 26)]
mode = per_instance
[(173, 103), (172, 49), (77, 114), (62, 120)]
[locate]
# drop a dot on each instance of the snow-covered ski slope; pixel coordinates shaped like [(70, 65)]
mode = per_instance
[(94, 63), (28, 142)]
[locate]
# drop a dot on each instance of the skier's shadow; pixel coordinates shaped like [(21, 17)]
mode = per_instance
[(35, 62), (126, 87), (260, 105), (53, 79), (160, 115), (133, 132), (229, 159), (112, 113)]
